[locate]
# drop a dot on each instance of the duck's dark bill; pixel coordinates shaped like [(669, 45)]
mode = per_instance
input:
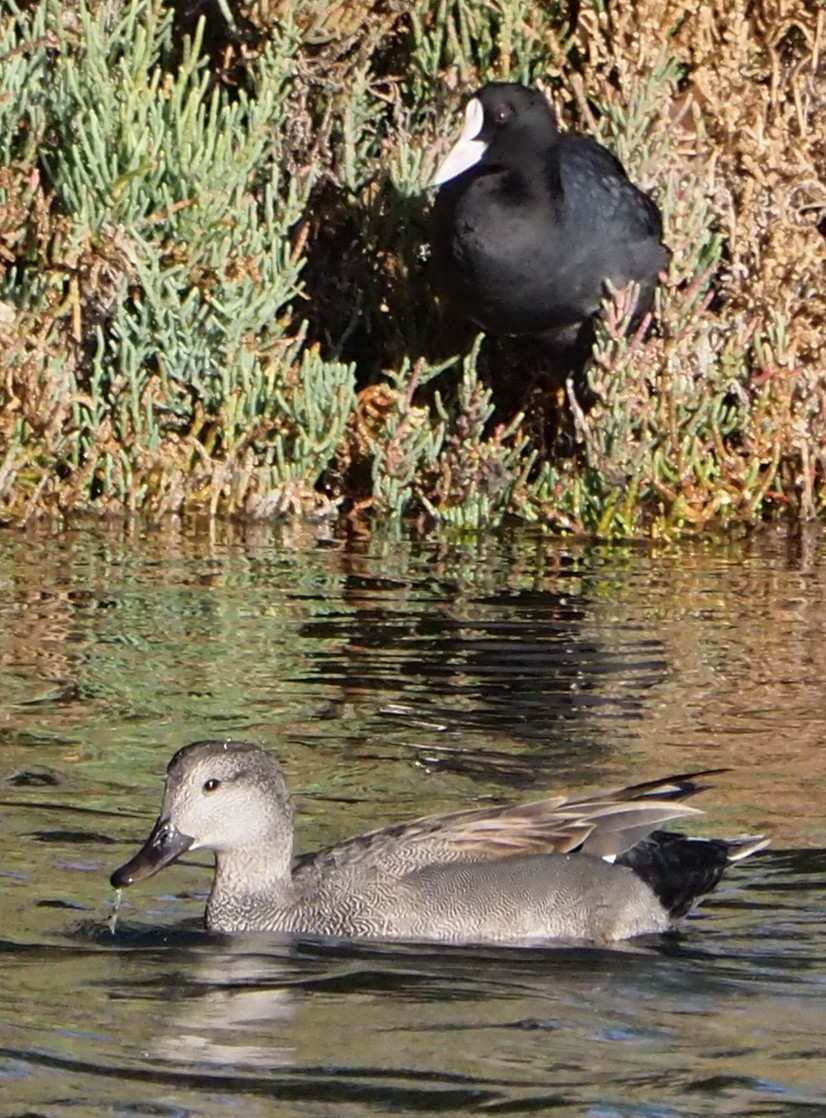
[(164, 845)]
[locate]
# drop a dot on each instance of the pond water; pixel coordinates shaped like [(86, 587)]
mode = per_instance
[(394, 679)]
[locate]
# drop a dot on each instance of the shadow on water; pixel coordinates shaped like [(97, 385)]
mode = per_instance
[(518, 663)]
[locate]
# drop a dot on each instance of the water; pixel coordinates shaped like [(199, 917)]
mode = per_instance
[(393, 680)]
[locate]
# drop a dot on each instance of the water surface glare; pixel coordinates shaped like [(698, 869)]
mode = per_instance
[(392, 680)]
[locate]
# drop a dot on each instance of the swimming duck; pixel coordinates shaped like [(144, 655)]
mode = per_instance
[(585, 867), (533, 227)]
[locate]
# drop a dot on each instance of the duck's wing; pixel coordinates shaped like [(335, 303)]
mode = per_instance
[(604, 823)]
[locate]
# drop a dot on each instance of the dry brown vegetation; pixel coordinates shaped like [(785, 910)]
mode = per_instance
[(212, 295)]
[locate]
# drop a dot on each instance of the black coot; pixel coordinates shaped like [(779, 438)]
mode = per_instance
[(533, 226)]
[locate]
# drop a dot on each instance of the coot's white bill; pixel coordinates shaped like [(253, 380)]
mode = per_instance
[(468, 149)]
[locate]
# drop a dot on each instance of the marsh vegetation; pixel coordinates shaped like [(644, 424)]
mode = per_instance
[(213, 265)]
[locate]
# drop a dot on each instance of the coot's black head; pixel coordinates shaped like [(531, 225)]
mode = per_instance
[(505, 124)]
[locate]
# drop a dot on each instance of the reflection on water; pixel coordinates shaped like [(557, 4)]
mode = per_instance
[(392, 680)]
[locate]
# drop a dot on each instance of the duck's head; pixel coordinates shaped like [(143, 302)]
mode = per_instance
[(225, 796), (504, 123)]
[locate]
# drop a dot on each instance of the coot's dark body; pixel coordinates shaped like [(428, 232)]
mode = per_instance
[(532, 227)]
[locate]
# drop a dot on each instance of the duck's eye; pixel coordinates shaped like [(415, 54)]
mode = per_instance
[(502, 114), (211, 784)]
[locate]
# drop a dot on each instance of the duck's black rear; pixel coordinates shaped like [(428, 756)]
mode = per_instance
[(680, 869)]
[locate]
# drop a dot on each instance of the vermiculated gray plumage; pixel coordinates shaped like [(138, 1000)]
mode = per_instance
[(592, 866)]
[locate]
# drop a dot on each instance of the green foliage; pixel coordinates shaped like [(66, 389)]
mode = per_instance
[(462, 474), (212, 294), (24, 44), (494, 39), (183, 218)]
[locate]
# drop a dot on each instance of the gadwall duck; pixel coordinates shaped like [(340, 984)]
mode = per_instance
[(532, 227), (587, 867)]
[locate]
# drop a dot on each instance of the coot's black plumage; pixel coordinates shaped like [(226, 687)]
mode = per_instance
[(532, 227)]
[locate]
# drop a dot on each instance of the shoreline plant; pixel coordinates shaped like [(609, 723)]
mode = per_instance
[(213, 276)]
